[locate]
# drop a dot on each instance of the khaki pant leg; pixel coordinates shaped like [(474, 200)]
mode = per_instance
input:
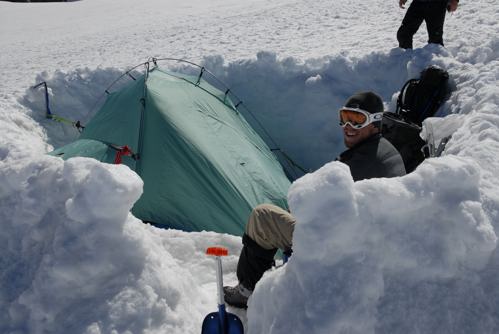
[(271, 227)]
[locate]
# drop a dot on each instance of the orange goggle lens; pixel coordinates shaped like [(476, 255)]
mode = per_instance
[(354, 117)]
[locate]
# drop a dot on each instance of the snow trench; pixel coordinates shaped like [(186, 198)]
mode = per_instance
[(403, 255)]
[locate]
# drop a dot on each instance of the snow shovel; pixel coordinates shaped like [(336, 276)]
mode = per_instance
[(221, 322)]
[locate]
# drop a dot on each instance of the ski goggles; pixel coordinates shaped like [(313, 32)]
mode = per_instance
[(357, 118)]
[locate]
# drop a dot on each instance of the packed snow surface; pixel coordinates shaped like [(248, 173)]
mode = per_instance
[(415, 254)]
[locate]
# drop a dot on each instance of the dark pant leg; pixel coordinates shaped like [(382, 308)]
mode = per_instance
[(434, 18), (269, 227), (410, 24), (253, 262)]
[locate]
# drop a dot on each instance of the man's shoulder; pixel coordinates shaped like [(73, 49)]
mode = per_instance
[(385, 147), (379, 150), (390, 157), (375, 157)]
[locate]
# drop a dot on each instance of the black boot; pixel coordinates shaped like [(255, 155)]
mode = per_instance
[(237, 296), (253, 262)]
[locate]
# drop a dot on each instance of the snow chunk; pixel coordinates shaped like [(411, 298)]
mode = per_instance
[(313, 80), (100, 191), (74, 258), (355, 242)]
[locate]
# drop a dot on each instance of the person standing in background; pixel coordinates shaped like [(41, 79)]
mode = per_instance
[(430, 11)]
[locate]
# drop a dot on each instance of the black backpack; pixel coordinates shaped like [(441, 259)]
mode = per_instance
[(421, 98), (417, 100)]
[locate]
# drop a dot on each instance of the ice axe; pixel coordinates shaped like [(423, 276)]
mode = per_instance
[(221, 322)]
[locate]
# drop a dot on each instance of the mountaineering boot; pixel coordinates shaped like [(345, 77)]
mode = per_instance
[(253, 262), (237, 296)]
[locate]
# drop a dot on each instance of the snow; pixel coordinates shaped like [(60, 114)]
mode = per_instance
[(74, 258), (415, 254), (346, 283)]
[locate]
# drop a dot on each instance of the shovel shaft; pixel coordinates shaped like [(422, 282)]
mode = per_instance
[(220, 283)]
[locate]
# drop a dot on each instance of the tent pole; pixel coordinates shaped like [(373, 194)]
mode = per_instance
[(138, 164)]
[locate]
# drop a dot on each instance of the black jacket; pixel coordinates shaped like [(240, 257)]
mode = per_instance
[(374, 157)]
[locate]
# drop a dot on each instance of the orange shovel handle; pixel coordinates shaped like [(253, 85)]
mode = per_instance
[(217, 251)]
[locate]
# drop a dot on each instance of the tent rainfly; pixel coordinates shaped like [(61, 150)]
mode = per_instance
[(203, 166)]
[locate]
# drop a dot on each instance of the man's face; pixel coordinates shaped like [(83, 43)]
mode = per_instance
[(352, 136)]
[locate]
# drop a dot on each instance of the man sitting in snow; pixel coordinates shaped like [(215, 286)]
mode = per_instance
[(269, 227)]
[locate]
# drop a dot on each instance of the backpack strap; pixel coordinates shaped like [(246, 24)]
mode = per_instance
[(402, 96)]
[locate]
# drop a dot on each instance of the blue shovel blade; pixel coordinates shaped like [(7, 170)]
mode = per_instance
[(212, 324)]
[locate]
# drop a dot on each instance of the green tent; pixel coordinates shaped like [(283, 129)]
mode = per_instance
[(203, 166)]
